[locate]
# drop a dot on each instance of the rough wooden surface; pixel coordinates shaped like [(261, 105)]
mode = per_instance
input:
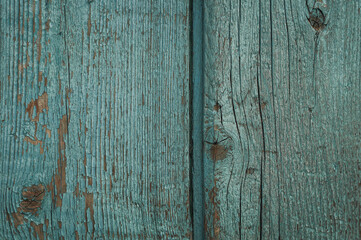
[(282, 119), (94, 119), (197, 90), (180, 119)]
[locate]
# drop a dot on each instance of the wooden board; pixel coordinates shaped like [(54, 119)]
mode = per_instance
[(95, 119), (180, 119), (282, 119)]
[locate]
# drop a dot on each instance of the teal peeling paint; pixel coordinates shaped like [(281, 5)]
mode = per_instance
[(117, 79), (178, 119)]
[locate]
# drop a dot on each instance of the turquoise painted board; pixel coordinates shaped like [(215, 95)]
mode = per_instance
[(180, 119), (95, 119), (282, 119)]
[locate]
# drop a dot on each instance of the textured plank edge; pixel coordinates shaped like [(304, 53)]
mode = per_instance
[(197, 92)]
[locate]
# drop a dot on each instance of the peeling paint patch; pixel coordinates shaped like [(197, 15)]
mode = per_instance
[(39, 104), (216, 217), (89, 24), (40, 77), (38, 230), (217, 107), (18, 219), (39, 34), (47, 131), (32, 198), (62, 130), (89, 201), (59, 178), (76, 191), (218, 152), (35, 142)]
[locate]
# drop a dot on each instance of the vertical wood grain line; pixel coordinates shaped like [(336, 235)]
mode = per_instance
[(197, 91), (259, 76)]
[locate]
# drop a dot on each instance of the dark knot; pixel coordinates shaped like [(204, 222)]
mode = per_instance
[(317, 19)]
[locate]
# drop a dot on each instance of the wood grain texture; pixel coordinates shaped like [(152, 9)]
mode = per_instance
[(94, 119), (98, 141), (197, 145), (282, 119)]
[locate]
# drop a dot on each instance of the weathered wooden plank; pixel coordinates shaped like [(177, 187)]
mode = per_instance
[(197, 90), (233, 132), (282, 117), (320, 195), (95, 119)]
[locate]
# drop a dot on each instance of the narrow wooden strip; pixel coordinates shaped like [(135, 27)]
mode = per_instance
[(197, 121)]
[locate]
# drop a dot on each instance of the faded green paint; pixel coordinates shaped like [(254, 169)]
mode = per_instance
[(283, 109), (180, 119)]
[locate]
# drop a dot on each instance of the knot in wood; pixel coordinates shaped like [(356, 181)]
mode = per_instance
[(31, 198), (218, 152), (317, 19)]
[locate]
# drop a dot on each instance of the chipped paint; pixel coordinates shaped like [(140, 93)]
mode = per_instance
[(40, 104), (31, 202), (218, 152), (47, 131), (92, 116), (38, 232), (32, 198), (59, 178)]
